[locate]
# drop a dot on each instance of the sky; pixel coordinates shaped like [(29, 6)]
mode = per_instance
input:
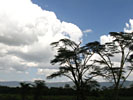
[(27, 27)]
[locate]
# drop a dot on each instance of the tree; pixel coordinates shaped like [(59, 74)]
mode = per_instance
[(39, 88), (91, 88), (67, 86), (73, 63), (24, 89), (120, 47)]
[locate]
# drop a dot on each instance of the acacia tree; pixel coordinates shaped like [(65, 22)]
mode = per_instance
[(39, 87), (122, 48), (73, 63), (24, 89)]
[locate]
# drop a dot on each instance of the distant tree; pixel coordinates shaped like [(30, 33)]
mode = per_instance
[(24, 89), (39, 89), (120, 47), (67, 86), (92, 85), (73, 63)]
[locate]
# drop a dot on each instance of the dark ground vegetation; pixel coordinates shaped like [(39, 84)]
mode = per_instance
[(41, 92)]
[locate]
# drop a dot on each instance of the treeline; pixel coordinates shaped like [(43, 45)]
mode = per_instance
[(38, 91)]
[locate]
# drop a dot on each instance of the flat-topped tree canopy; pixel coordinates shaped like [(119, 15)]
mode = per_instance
[(75, 63)]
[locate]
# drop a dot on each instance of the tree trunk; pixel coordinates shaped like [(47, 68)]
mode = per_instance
[(80, 94), (116, 93)]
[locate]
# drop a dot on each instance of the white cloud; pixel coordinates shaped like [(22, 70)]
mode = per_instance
[(46, 72), (87, 31), (10, 63), (26, 32), (106, 38), (36, 79), (129, 26)]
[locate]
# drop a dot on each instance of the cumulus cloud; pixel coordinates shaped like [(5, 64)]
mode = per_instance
[(106, 38), (12, 63), (129, 26), (26, 32)]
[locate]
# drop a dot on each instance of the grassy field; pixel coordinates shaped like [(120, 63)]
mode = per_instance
[(18, 97)]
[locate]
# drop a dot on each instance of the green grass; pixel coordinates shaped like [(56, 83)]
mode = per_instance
[(18, 97), (59, 98)]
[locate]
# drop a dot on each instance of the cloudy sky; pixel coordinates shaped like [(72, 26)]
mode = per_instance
[(27, 27)]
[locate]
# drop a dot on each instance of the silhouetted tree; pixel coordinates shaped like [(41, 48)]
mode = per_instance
[(67, 86), (39, 89), (120, 47), (24, 89), (91, 85), (73, 61)]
